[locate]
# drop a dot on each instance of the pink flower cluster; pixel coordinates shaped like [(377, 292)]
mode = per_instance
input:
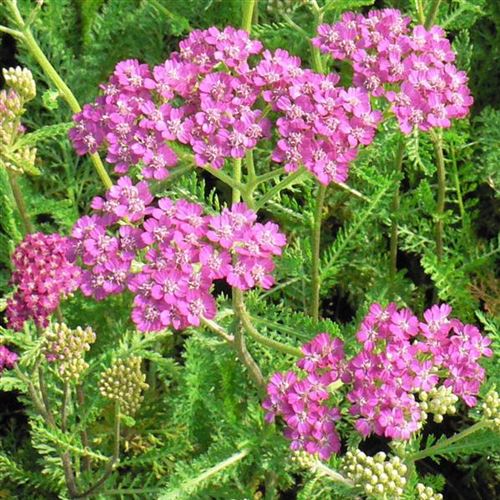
[(323, 126), (168, 254), (302, 401), (414, 69), (220, 95), (400, 357), (7, 358), (44, 274)]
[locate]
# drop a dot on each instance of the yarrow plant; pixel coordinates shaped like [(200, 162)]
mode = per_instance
[(168, 254), (177, 313), (401, 358), (45, 273), (207, 96), (412, 68)]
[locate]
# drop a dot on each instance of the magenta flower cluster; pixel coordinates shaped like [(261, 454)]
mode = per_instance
[(400, 357), (220, 95), (413, 69), (44, 274), (302, 401), (169, 253), (7, 358)]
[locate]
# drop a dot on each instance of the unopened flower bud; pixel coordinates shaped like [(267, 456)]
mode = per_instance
[(427, 493), (67, 347), (378, 476), (21, 80), (491, 409), (124, 382)]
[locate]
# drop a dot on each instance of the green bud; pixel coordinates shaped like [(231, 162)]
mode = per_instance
[(427, 493), (124, 382), (491, 409), (379, 476), (66, 347)]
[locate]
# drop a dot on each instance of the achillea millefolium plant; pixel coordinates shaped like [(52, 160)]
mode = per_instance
[(279, 280)]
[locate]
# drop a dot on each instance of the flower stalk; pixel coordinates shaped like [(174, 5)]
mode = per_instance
[(20, 203), (26, 36), (437, 140), (315, 248), (398, 166)]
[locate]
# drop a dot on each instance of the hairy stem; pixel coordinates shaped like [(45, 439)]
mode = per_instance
[(80, 397), (420, 11), (324, 470), (216, 328), (248, 13), (237, 178), (437, 140), (226, 179), (64, 407), (287, 181), (432, 13), (35, 50), (398, 166), (315, 249), (432, 450), (240, 344), (110, 467), (458, 189), (21, 205), (246, 321)]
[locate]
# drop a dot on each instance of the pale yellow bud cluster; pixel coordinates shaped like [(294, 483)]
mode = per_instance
[(491, 409), (304, 460), (379, 477), (439, 402), (124, 382), (21, 89), (427, 493), (21, 81), (67, 347)]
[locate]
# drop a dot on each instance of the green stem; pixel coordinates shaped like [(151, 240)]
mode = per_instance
[(216, 328), (352, 191), (292, 178), (33, 394), (80, 397), (240, 344), (237, 180), (398, 165), (433, 450), (45, 396), (246, 320), (21, 205), (437, 141), (110, 467), (13, 33), (324, 470), (420, 11), (223, 177), (269, 175), (315, 250), (248, 9), (432, 13), (64, 407), (458, 189), (43, 408), (53, 75)]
